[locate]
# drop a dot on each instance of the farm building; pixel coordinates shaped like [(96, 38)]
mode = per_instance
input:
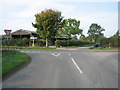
[(19, 34), (23, 34)]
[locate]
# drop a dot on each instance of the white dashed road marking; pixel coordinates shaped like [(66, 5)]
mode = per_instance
[(56, 54), (76, 65)]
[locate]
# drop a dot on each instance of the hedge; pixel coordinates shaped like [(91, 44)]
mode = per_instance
[(113, 41), (23, 42), (16, 42), (71, 43), (41, 42)]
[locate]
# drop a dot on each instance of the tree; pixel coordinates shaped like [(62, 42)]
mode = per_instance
[(112, 41), (47, 23), (117, 33), (82, 37), (115, 40), (95, 31), (71, 27)]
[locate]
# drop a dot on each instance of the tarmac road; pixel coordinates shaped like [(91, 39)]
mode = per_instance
[(67, 69)]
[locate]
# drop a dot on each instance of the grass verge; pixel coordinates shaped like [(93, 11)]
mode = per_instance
[(11, 60), (0, 65), (87, 45), (20, 47), (102, 48)]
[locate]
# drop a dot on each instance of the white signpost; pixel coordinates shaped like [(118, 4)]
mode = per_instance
[(33, 44)]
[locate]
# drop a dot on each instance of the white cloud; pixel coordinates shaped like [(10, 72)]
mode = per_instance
[(24, 1), (90, 0), (31, 9), (108, 20), (22, 18)]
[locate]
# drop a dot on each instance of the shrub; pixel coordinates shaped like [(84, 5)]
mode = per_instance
[(41, 42), (112, 42), (4, 42), (25, 42), (70, 43), (13, 42), (16, 42)]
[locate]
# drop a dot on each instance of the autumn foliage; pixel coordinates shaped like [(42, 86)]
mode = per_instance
[(47, 23)]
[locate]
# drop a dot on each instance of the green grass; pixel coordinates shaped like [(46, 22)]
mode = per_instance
[(101, 48), (20, 47), (11, 60), (70, 47), (39, 48), (87, 45), (0, 65)]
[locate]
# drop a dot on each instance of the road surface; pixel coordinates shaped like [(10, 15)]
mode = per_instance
[(67, 69)]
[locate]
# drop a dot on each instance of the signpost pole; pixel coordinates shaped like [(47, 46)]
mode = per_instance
[(8, 42), (8, 34), (33, 43)]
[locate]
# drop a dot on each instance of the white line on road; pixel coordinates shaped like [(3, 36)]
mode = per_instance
[(76, 65), (56, 54), (69, 54)]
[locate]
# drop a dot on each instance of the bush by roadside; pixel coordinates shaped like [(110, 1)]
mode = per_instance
[(65, 43), (102, 48), (21, 47), (41, 42), (113, 42), (23, 42), (16, 42)]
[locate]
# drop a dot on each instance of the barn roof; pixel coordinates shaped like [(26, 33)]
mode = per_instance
[(23, 32)]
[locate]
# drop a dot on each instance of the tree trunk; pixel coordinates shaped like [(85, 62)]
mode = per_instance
[(46, 42), (69, 40), (94, 39)]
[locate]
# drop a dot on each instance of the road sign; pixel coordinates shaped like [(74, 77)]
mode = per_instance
[(33, 37), (33, 40), (7, 32)]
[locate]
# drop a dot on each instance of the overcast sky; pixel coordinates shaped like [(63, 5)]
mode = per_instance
[(19, 14)]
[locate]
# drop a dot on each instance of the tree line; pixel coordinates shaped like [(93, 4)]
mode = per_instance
[(51, 24)]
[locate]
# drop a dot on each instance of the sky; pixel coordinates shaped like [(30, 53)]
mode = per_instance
[(19, 14)]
